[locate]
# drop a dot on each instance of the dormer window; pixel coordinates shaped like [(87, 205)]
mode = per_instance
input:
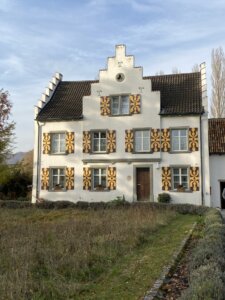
[(120, 105)]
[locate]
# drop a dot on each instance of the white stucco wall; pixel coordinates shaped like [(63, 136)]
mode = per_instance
[(149, 117), (217, 174), (190, 159)]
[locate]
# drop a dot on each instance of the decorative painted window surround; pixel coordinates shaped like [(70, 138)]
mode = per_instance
[(106, 105), (57, 178), (90, 179), (88, 145), (67, 145), (168, 178)]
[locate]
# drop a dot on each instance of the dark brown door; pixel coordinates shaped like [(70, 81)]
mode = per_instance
[(143, 184)]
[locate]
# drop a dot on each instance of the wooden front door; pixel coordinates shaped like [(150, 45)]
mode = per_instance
[(143, 184)]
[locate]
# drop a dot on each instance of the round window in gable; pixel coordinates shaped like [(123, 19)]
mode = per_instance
[(120, 77)]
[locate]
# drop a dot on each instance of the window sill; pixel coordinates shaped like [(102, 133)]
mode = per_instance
[(58, 191), (186, 191), (177, 152), (64, 153)]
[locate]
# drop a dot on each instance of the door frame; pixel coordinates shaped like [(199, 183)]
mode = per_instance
[(145, 166), (221, 181)]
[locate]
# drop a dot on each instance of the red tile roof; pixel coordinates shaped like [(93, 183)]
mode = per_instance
[(217, 136)]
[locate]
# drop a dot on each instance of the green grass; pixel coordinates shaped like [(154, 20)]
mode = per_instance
[(78, 254)]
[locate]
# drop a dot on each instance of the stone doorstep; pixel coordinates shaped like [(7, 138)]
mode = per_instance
[(152, 293)]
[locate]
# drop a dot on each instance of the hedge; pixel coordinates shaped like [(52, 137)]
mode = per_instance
[(207, 265)]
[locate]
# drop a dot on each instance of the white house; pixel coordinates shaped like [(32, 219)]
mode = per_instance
[(124, 134)]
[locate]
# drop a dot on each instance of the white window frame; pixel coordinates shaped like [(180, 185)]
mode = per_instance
[(179, 139), (52, 188), (99, 132), (180, 177), (120, 112), (103, 188), (59, 139), (142, 140)]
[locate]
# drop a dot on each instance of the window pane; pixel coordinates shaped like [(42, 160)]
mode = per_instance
[(184, 171), (103, 135), (124, 105), (176, 171), (183, 132), (138, 134), (146, 144), (103, 145), (95, 145), (175, 133), (175, 143), (183, 143), (115, 105)]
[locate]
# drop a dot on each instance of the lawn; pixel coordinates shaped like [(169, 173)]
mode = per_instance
[(86, 254)]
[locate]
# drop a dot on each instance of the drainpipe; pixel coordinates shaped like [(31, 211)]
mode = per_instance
[(201, 157)]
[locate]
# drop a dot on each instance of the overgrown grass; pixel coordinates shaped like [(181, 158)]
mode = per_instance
[(70, 253)]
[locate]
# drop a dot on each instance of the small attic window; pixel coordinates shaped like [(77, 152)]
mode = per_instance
[(120, 77)]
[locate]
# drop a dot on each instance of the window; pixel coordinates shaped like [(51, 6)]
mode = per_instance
[(57, 179), (180, 178), (99, 141), (99, 179), (120, 105), (58, 143), (179, 139), (142, 140)]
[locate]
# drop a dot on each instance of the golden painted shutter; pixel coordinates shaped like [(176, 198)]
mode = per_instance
[(165, 140), (111, 178), (70, 178), (193, 139), (70, 142), (166, 178), (155, 140), (194, 178), (86, 141), (111, 141), (46, 143), (135, 104), (86, 179), (105, 106), (129, 140), (45, 178)]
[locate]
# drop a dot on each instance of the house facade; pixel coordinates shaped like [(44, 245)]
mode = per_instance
[(123, 135)]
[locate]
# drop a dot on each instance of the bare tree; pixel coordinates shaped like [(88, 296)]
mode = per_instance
[(175, 70), (218, 83), (6, 126), (195, 68), (160, 72)]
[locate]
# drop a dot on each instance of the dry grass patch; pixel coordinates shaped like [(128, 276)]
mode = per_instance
[(61, 254)]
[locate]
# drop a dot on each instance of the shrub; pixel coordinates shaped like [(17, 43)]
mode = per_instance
[(207, 265), (45, 204), (164, 198), (15, 204), (206, 283)]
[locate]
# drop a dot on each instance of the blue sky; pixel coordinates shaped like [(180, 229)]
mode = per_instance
[(39, 38)]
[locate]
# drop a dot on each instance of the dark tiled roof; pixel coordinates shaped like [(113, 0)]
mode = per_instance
[(180, 95), (216, 136), (66, 102)]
